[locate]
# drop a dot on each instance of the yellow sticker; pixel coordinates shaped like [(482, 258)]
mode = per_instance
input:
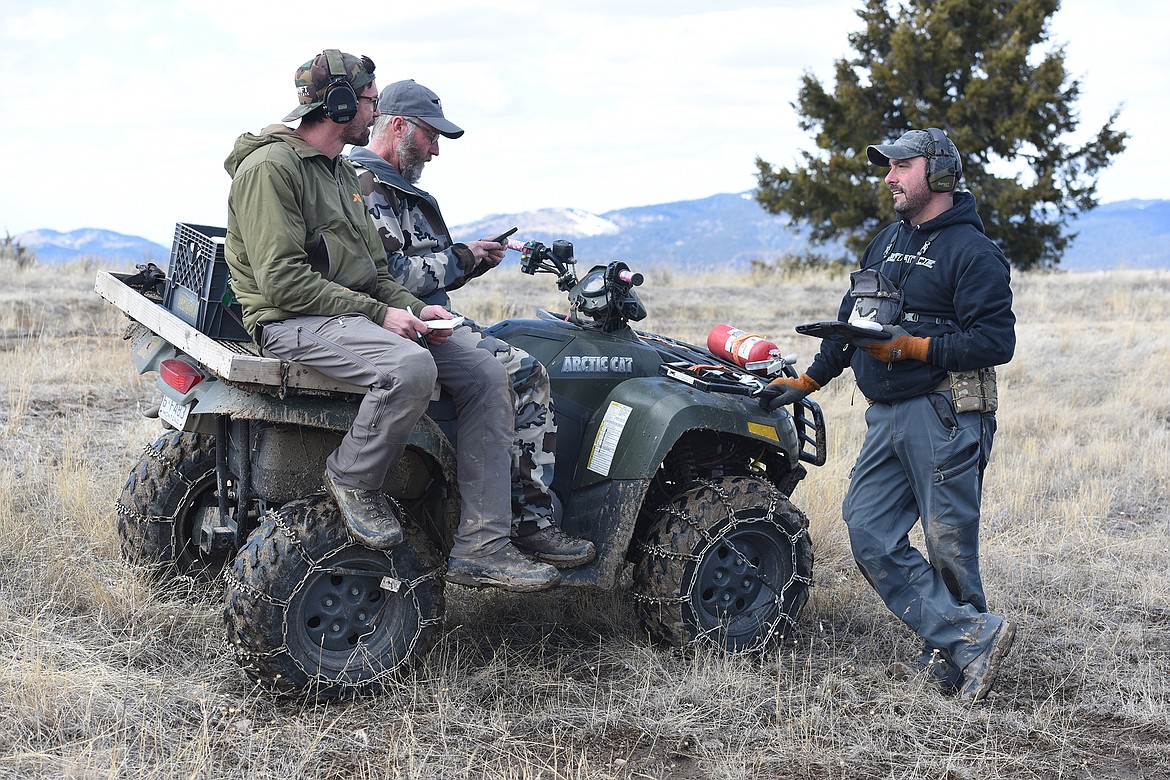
[(767, 431)]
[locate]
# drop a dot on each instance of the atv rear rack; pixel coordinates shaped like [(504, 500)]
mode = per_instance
[(233, 361)]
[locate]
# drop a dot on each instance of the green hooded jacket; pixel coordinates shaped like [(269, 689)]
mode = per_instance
[(299, 238)]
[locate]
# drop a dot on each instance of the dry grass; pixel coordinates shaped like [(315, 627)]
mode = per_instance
[(107, 675)]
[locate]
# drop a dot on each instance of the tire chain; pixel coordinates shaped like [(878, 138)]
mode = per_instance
[(159, 460), (661, 552), (245, 657), (156, 455)]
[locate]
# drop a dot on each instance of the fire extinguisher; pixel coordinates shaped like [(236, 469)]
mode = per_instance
[(739, 346)]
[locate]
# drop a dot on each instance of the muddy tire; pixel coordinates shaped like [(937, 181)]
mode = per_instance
[(162, 506), (728, 563), (309, 609)]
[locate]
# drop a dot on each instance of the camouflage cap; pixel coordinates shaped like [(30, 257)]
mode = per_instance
[(313, 78), (913, 143)]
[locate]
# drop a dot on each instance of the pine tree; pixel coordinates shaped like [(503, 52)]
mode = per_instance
[(967, 67), (16, 252)]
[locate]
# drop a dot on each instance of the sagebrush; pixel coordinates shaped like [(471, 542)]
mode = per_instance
[(106, 674)]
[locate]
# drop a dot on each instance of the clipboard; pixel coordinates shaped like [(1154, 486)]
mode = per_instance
[(841, 332)]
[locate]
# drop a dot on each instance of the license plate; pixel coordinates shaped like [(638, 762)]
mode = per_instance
[(174, 412)]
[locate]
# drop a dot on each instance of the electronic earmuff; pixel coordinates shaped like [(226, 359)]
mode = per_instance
[(340, 100), (943, 169)]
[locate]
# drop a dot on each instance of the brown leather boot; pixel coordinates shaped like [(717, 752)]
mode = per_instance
[(552, 545), (367, 514), (505, 568)]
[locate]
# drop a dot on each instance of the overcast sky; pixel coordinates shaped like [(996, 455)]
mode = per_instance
[(118, 115)]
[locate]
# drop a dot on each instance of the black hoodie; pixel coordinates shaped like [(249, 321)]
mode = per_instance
[(960, 290)]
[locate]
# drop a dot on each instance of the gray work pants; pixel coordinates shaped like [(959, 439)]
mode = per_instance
[(923, 462), (534, 442), (401, 375)]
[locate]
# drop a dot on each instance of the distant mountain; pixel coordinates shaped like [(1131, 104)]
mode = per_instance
[(1124, 234), (54, 247), (732, 230), (722, 230), (728, 230)]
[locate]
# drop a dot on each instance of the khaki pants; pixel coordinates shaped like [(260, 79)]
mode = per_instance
[(401, 375)]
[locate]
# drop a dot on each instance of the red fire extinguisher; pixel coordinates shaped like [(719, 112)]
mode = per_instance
[(739, 346)]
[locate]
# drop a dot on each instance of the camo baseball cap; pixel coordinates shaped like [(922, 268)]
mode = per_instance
[(409, 98), (314, 76), (913, 143)]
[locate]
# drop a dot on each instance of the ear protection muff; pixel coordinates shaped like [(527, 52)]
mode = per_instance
[(341, 103), (942, 169)]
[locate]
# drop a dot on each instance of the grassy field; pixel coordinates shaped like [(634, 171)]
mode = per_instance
[(106, 675)]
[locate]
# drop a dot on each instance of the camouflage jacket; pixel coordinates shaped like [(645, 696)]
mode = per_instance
[(299, 240), (420, 253)]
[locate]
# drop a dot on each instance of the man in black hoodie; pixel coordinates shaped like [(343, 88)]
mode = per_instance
[(930, 386)]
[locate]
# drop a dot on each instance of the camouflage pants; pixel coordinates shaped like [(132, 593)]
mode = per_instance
[(535, 443)]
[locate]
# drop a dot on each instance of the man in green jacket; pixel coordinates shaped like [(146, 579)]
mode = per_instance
[(310, 272)]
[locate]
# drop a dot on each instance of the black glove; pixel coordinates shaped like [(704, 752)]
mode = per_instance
[(786, 390)]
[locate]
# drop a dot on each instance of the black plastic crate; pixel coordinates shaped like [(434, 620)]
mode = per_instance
[(199, 291)]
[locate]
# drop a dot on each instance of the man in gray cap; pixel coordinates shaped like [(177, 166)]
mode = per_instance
[(424, 258), (930, 383), (310, 273)]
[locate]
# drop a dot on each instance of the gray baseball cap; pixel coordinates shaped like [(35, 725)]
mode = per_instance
[(913, 143), (409, 98)]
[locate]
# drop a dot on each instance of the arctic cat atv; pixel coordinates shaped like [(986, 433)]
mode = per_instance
[(666, 461)]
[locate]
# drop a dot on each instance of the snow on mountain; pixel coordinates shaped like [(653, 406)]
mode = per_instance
[(566, 223), (724, 231)]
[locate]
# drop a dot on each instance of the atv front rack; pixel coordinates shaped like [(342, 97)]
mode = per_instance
[(711, 378), (714, 378)]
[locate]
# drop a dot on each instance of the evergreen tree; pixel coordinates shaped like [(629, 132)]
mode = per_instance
[(16, 252), (967, 67)]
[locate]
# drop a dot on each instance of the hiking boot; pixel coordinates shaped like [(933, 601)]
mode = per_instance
[(552, 545), (367, 515), (979, 675), (505, 568)]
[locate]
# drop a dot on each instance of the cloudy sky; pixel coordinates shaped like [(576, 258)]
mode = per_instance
[(118, 114)]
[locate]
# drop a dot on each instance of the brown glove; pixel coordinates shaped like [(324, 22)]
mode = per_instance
[(900, 348), (786, 390)]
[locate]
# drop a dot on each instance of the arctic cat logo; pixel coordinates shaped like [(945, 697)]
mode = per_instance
[(576, 364)]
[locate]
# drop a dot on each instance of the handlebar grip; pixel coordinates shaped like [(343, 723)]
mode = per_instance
[(630, 277)]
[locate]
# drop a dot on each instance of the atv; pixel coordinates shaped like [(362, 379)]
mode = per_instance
[(665, 460)]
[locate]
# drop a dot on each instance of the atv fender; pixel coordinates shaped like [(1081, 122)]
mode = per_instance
[(642, 418)]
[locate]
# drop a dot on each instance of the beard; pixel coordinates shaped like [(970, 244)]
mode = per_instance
[(355, 134), (410, 159), (913, 202)]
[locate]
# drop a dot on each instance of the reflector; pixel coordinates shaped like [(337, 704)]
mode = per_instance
[(179, 374)]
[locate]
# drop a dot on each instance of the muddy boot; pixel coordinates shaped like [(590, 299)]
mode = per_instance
[(505, 568), (367, 514), (979, 675), (552, 545)]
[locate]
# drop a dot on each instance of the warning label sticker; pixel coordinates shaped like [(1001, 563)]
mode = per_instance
[(608, 434)]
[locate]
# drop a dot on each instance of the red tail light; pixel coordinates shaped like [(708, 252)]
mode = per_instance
[(180, 375)]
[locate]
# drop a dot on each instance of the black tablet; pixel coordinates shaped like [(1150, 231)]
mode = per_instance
[(840, 331)]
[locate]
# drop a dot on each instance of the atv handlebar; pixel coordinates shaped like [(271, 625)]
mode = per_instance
[(605, 294), (557, 259), (630, 277)]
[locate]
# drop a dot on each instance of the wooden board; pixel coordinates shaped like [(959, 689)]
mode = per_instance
[(231, 360)]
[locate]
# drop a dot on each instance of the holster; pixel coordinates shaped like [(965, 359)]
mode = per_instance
[(972, 391)]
